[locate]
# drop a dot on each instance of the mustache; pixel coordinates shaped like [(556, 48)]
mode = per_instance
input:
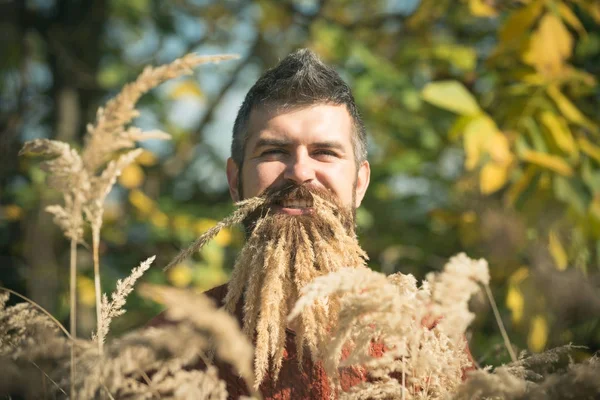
[(294, 191)]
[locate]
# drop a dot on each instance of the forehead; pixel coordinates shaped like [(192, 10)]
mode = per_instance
[(301, 125)]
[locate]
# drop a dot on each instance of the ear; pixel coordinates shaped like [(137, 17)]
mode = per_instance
[(233, 176), (362, 182)]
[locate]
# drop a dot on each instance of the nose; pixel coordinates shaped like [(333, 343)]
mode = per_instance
[(299, 170)]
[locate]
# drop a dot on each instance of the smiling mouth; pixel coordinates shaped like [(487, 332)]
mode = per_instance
[(295, 207)]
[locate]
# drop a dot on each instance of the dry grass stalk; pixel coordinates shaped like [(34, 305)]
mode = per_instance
[(114, 308), (76, 177), (229, 343), (67, 175), (108, 134), (144, 364), (549, 375), (390, 311), (245, 207)]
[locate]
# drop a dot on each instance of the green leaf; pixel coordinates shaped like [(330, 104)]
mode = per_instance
[(565, 190), (451, 96), (590, 176)]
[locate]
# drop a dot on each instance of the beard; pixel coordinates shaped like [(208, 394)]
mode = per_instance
[(282, 254)]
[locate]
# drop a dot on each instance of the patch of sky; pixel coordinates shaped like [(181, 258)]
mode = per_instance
[(148, 120), (218, 132), (374, 151), (11, 85), (34, 131), (401, 6), (308, 7), (200, 3), (450, 163), (186, 111), (404, 185), (143, 44), (189, 27), (39, 75), (172, 47), (204, 172)]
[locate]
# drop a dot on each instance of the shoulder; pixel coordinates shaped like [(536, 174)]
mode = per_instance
[(217, 294)]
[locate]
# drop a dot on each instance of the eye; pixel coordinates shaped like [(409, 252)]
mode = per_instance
[(325, 153), (272, 152)]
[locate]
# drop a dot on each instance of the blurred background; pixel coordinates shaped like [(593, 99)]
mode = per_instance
[(484, 129)]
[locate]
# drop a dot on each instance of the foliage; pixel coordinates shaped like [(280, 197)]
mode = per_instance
[(484, 127)]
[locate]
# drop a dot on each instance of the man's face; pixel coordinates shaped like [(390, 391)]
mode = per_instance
[(309, 146)]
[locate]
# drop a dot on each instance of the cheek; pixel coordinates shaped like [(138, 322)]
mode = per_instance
[(340, 179), (260, 176)]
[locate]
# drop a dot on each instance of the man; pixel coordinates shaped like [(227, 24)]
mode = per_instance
[(300, 144), (297, 134)]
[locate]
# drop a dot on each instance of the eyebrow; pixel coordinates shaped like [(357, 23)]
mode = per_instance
[(267, 142)]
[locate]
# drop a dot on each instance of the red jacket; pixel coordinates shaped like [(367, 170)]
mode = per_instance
[(310, 383)]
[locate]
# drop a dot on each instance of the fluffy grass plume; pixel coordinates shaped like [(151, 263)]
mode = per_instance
[(143, 364), (109, 135), (77, 177), (227, 340), (114, 308), (421, 359)]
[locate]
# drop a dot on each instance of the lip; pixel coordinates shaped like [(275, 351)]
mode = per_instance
[(292, 211)]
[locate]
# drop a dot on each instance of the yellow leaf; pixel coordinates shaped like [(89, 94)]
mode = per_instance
[(551, 162), (538, 334), (499, 149), (515, 303), (568, 109), (519, 22), (86, 291), (557, 251), (184, 88), (140, 201), (132, 176), (570, 18), (12, 212), (477, 135), (519, 275), (594, 208), (146, 158), (159, 219), (451, 96), (182, 223), (203, 224), (560, 131), (589, 148), (480, 9), (224, 237), (180, 275), (492, 177), (550, 46)]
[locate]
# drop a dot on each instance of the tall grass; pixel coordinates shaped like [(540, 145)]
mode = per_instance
[(419, 327)]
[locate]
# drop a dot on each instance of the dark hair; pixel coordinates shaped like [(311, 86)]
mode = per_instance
[(300, 79)]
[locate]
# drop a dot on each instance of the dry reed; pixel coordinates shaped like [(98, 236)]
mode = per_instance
[(419, 361)]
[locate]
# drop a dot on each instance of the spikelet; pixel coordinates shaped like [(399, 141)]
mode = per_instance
[(375, 310), (245, 207), (231, 344), (114, 308), (101, 185), (67, 175), (109, 135), (452, 289)]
